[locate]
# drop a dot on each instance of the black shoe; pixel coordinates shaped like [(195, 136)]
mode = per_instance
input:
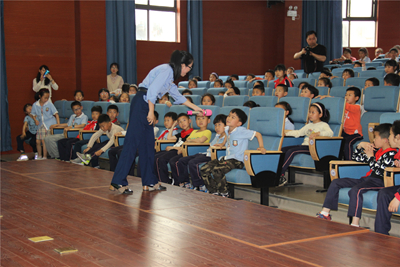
[(282, 181), (122, 189), (159, 187)]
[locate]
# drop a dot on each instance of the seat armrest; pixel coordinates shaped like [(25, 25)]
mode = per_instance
[(389, 176), (87, 134), (117, 139), (70, 131), (159, 143), (197, 148), (267, 159), (322, 146), (214, 150), (334, 166), (57, 130), (371, 127)]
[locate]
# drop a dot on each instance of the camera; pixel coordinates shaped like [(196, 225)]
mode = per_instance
[(308, 49)]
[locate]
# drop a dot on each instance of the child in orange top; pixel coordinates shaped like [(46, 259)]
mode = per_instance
[(352, 130)]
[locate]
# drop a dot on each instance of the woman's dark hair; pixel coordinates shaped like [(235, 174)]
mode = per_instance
[(251, 104), (286, 106), (179, 57), (79, 91), (210, 96), (43, 91), (26, 106), (46, 80), (116, 65), (396, 127), (325, 113)]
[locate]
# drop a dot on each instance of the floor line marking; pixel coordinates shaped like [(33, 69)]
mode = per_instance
[(316, 238)]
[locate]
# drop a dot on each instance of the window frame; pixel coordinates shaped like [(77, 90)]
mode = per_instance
[(349, 19), (149, 8)]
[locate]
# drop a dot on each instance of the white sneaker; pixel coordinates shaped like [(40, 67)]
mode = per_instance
[(37, 157), (23, 157), (76, 161)]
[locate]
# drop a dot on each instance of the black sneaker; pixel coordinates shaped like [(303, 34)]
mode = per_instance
[(282, 180)]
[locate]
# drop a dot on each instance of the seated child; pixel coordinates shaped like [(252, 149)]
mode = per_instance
[(393, 53), (391, 66), (325, 74), (347, 73), (324, 82), (288, 111), (250, 77), (290, 70), (133, 89), (169, 120), (371, 82), (251, 104), (378, 155), (94, 126), (280, 73), (115, 152), (222, 93), (229, 84), (197, 78), (192, 84), (391, 79), (213, 76), (124, 98), (104, 95), (281, 91), (357, 64), (78, 95), (302, 84), (234, 77), (162, 157), (65, 145), (46, 116), (258, 90), (389, 197), (318, 126), (165, 100), (93, 151), (197, 136), (28, 132), (114, 99), (187, 92), (125, 88), (189, 98), (218, 83), (194, 161), (309, 91), (292, 76), (113, 112), (213, 172), (208, 100), (232, 91), (77, 120), (269, 75)]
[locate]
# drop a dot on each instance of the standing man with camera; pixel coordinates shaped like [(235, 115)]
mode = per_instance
[(314, 55)]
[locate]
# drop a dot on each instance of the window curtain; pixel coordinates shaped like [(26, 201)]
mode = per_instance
[(324, 17), (5, 133), (195, 35), (121, 38)]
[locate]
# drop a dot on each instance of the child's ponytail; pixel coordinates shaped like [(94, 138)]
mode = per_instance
[(321, 109)]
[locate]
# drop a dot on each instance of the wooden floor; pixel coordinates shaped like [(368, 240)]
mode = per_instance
[(177, 227)]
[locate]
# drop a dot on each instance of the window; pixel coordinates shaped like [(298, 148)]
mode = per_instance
[(156, 20), (359, 23)]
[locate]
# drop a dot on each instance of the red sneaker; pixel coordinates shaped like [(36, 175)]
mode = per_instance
[(320, 215)]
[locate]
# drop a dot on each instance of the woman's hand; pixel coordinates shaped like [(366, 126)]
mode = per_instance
[(37, 122), (49, 76), (150, 117)]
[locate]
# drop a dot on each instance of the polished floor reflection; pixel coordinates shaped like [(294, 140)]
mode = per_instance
[(178, 227)]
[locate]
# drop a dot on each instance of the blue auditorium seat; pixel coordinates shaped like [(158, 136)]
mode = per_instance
[(215, 91), (236, 100), (337, 81), (296, 82), (184, 84), (373, 73), (203, 84), (323, 90), (219, 100), (86, 108), (227, 109), (199, 91), (196, 99), (123, 116), (240, 84), (358, 82), (265, 101), (104, 105)]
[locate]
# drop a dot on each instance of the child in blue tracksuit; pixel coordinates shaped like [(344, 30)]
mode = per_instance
[(140, 134), (46, 117), (213, 172), (194, 161)]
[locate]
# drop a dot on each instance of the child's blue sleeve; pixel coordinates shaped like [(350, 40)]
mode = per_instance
[(53, 109), (246, 133), (84, 119), (71, 118)]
